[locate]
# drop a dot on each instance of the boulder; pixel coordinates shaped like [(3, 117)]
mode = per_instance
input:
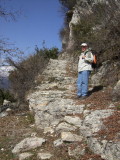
[(76, 152), (76, 121), (116, 92), (44, 155), (58, 142), (93, 121), (3, 114), (6, 102), (69, 137), (65, 127), (28, 144), (24, 156)]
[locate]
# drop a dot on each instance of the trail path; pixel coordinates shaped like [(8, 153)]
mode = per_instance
[(67, 128)]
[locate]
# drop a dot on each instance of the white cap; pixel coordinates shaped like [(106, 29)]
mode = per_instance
[(84, 45)]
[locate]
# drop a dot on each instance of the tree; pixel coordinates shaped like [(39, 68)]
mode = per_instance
[(68, 4), (6, 48)]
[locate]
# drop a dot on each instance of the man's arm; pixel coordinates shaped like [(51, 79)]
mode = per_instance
[(89, 57)]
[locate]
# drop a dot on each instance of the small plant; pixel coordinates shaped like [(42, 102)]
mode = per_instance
[(5, 94), (1, 97), (118, 107), (30, 118), (51, 79)]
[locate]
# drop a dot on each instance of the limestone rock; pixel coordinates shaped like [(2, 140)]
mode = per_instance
[(44, 155), (3, 114), (106, 75), (48, 130), (78, 151), (58, 142), (6, 102), (76, 121), (116, 92), (93, 121), (65, 127), (24, 156), (28, 144), (107, 149), (69, 137)]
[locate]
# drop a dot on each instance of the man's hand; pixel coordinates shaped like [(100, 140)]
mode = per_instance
[(83, 57)]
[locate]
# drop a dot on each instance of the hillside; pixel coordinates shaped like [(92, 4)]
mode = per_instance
[(60, 127)]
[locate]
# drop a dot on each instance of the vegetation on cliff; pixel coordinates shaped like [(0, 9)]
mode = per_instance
[(100, 28)]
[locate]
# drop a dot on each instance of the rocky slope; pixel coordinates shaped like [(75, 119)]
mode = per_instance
[(70, 128)]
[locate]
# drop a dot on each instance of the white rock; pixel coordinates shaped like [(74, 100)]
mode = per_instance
[(73, 120), (33, 134), (8, 110), (78, 151), (2, 149), (65, 127), (48, 130), (58, 142), (69, 137), (111, 105), (3, 114), (86, 112), (6, 102), (94, 119), (28, 144), (23, 156), (44, 155)]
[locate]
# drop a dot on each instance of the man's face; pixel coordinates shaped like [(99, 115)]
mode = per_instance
[(84, 48)]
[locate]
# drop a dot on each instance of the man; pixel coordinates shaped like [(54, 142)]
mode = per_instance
[(84, 69)]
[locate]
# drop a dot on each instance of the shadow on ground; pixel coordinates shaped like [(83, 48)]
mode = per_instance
[(95, 89)]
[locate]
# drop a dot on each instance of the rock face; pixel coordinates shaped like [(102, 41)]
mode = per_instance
[(81, 8), (116, 91), (106, 75)]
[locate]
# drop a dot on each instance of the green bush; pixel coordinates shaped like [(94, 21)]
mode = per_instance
[(1, 97), (5, 94)]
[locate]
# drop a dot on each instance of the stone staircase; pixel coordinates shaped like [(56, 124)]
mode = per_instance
[(58, 115)]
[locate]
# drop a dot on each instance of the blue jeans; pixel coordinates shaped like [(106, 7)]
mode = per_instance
[(82, 83)]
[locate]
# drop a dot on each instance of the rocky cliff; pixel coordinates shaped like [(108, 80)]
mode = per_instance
[(96, 22), (84, 8)]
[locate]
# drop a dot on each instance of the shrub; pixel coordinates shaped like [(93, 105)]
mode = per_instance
[(5, 94), (1, 97)]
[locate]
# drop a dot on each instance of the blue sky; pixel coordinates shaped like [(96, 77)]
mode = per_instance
[(40, 21)]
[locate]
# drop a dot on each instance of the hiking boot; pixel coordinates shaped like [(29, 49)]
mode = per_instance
[(77, 97), (83, 97)]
